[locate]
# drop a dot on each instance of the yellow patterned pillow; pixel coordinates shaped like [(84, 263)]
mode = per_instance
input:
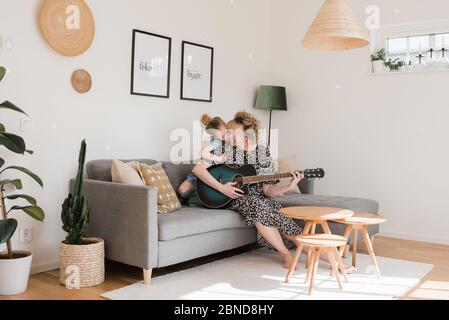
[(155, 176)]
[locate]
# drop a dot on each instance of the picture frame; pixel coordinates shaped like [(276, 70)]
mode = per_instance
[(197, 71), (150, 64)]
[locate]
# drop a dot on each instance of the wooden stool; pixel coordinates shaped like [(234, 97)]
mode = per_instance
[(314, 216), (357, 222), (319, 243)]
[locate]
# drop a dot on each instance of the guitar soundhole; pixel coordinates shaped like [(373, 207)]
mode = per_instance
[(239, 180)]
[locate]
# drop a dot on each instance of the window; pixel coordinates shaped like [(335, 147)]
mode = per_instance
[(431, 46)]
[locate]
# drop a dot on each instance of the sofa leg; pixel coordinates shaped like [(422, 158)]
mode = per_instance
[(147, 276)]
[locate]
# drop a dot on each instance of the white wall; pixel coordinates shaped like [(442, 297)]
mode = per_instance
[(381, 137), (132, 126)]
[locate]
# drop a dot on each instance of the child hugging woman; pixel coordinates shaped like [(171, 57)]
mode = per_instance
[(216, 128)]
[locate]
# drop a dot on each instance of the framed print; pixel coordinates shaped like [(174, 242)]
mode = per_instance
[(150, 67), (196, 72)]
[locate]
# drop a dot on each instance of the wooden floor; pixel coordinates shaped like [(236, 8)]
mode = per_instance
[(434, 286)]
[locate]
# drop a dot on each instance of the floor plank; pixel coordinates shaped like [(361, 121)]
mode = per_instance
[(434, 286)]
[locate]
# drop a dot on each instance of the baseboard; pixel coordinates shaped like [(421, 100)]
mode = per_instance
[(44, 267), (421, 238)]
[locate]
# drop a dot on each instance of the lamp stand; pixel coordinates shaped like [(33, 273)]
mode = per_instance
[(269, 130)]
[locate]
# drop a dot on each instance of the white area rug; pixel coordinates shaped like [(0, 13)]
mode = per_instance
[(258, 275)]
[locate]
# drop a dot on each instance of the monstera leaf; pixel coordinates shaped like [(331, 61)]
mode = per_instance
[(7, 229)]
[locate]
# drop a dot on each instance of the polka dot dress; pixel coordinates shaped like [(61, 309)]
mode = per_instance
[(256, 207)]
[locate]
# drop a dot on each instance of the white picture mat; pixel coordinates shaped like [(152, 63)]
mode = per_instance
[(197, 72), (153, 52)]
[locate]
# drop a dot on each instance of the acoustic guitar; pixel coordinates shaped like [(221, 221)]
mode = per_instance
[(243, 177)]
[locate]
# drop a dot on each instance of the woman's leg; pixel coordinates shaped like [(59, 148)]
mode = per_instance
[(273, 237)]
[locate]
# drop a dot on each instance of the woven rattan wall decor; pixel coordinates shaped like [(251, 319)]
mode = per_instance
[(67, 25)]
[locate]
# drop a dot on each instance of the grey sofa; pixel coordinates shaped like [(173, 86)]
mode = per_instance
[(125, 217)]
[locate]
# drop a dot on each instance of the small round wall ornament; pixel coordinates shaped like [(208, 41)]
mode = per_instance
[(81, 81), (67, 25)]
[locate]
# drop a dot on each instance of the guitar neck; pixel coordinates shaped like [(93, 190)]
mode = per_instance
[(265, 178)]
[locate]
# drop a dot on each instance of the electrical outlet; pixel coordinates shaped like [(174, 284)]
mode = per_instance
[(26, 235)]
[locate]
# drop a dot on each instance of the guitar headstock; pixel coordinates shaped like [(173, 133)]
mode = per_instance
[(314, 173)]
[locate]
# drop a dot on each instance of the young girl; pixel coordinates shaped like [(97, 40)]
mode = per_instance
[(216, 127)]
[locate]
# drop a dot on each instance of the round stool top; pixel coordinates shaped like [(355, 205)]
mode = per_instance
[(322, 240), (363, 218), (316, 213)]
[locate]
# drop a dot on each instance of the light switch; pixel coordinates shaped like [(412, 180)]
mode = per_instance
[(6, 43), (27, 125)]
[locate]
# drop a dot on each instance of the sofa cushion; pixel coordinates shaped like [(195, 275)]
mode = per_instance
[(155, 176), (354, 204), (126, 173), (189, 221), (101, 169)]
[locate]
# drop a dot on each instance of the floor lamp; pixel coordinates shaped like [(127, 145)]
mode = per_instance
[(271, 98)]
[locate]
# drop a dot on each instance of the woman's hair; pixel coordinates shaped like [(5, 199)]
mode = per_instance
[(247, 121), (214, 123)]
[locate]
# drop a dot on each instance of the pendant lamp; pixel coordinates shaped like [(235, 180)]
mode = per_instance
[(335, 28)]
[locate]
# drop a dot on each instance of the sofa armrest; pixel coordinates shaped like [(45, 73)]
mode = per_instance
[(306, 186), (125, 216)]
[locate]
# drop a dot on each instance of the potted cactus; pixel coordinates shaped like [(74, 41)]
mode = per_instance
[(14, 265), (82, 259)]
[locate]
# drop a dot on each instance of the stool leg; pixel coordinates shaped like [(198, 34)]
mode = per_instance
[(370, 249), (346, 235), (325, 227), (295, 262), (307, 227), (340, 264), (354, 247), (316, 259), (312, 253), (312, 231), (333, 261), (306, 230)]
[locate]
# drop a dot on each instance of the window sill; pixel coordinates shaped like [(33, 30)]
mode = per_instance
[(387, 73)]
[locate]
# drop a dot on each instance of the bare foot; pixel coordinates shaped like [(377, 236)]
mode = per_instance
[(288, 261), (348, 266)]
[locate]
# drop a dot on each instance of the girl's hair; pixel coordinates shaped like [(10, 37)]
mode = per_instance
[(212, 123)]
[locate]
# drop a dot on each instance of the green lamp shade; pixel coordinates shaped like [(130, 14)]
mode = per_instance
[(271, 98)]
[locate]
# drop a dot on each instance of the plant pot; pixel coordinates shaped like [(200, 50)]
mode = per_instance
[(82, 265), (14, 273), (379, 66)]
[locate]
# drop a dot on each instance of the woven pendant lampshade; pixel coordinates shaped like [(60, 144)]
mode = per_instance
[(335, 28)]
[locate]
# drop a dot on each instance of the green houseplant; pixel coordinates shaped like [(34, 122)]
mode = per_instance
[(378, 61), (14, 265), (395, 64), (82, 259)]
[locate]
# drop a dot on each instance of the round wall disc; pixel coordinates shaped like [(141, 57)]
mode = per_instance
[(67, 25), (81, 81)]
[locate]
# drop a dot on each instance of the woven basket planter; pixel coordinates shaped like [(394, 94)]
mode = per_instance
[(82, 265)]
